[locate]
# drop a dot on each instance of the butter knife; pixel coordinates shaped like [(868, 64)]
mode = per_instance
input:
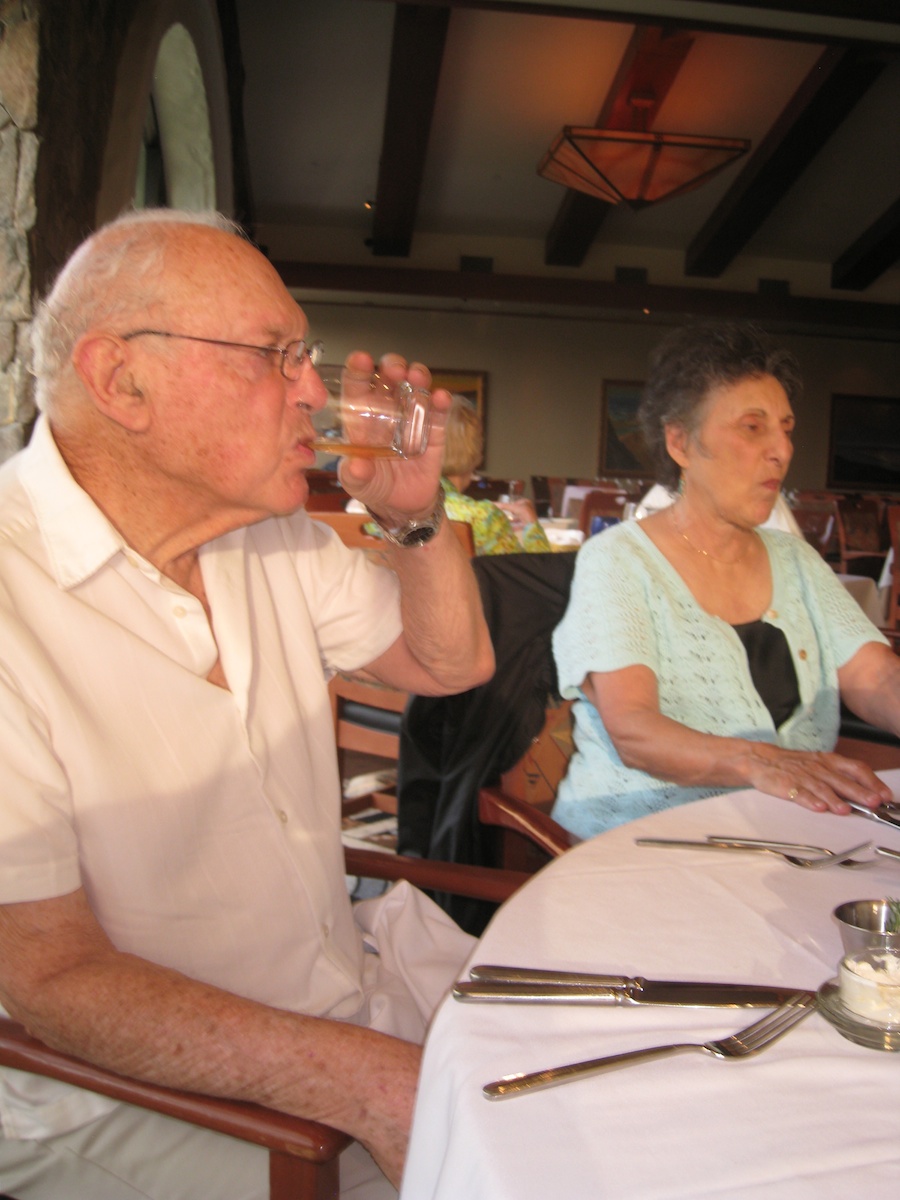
[(555, 988), (886, 814)]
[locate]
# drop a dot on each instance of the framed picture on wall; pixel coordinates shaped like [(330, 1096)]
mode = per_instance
[(864, 446), (471, 384), (623, 452)]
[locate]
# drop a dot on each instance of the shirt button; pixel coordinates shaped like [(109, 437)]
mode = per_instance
[(179, 610), (772, 614), (326, 931), (802, 654), (282, 816)]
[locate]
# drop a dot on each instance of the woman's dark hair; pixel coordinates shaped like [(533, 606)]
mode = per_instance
[(692, 361)]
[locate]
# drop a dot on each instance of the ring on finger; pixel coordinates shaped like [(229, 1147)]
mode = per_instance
[(793, 793)]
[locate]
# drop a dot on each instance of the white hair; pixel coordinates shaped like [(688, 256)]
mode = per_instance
[(116, 271)]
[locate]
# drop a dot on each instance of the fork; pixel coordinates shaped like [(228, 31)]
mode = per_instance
[(821, 858), (827, 859), (747, 1041)]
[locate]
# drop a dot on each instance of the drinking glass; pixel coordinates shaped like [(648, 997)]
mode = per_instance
[(369, 416)]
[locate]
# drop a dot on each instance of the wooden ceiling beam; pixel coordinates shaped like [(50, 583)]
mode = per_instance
[(648, 68), (835, 84), (875, 251), (872, 319), (417, 51)]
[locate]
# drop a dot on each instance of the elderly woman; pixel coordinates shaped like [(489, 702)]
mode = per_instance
[(507, 528), (703, 652)]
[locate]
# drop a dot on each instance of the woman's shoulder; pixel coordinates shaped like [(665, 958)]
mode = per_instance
[(621, 552), (620, 540), (791, 550)]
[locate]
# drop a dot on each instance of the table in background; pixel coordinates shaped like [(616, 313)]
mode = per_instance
[(815, 1115), (868, 595)]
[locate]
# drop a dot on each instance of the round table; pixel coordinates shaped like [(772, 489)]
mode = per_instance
[(815, 1115)]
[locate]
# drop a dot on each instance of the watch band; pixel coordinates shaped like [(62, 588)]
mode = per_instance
[(411, 532)]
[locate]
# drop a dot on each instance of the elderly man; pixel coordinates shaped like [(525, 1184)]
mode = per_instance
[(172, 896)]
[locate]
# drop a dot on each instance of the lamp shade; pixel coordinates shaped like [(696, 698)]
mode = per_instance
[(618, 165)]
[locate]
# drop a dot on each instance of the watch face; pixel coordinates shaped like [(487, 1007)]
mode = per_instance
[(418, 537)]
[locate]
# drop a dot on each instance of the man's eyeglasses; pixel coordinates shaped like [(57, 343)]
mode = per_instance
[(293, 356)]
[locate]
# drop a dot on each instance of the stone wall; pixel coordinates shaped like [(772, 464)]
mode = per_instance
[(18, 161), (58, 76)]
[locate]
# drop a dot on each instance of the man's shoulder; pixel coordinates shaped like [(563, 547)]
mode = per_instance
[(17, 515)]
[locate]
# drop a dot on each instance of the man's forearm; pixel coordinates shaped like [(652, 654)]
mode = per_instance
[(151, 1023), (443, 621)]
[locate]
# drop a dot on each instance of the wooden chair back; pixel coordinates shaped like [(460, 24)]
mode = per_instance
[(519, 807), (608, 504), (325, 492), (350, 528), (548, 492), (818, 521), (859, 534), (366, 717)]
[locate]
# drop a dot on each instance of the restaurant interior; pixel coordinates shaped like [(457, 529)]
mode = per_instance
[(448, 180)]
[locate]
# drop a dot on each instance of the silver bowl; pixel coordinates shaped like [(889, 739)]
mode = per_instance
[(864, 925)]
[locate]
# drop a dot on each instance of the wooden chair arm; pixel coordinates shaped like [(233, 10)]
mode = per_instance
[(482, 883), (495, 807), (251, 1122)]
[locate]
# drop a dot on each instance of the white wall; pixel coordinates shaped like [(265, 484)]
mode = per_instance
[(545, 376)]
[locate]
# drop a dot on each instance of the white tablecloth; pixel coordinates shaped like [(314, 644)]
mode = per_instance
[(868, 595), (815, 1115)]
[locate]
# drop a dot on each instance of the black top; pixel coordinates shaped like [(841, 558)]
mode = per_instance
[(771, 668)]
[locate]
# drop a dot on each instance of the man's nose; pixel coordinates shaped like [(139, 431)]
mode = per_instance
[(309, 389)]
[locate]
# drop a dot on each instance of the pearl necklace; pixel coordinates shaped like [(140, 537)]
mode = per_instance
[(728, 562)]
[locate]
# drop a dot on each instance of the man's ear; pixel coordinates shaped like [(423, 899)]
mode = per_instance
[(676, 444), (103, 363)]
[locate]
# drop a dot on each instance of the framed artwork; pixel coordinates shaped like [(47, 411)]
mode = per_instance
[(471, 384), (623, 452), (864, 446)]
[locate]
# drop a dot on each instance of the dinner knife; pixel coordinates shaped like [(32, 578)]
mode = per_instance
[(618, 989), (887, 814)]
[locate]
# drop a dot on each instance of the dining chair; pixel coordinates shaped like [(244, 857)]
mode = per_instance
[(860, 545), (367, 714), (304, 1155), (325, 492), (484, 488), (609, 504), (817, 517), (549, 489), (351, 529)]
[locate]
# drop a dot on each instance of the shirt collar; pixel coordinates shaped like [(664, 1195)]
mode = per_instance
[(78, 538)]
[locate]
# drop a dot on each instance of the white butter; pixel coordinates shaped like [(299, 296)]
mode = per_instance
[(870, 986)]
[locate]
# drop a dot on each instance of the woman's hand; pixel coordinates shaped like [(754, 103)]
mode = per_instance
[(628, 703), (520, 512), (819, 781)]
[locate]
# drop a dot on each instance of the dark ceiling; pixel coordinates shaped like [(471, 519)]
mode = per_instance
[(393, 150)]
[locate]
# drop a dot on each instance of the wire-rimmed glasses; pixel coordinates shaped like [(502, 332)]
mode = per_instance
[(293, 356)]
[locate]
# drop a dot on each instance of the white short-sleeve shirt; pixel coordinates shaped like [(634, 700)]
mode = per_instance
[(203, 824)]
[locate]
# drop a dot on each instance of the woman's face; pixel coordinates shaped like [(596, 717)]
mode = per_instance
[(736, 459)]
